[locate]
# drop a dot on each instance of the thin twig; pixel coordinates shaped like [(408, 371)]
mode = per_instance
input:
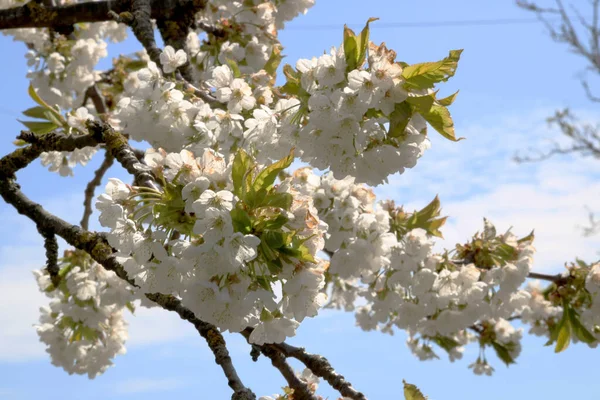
[(91, 187)]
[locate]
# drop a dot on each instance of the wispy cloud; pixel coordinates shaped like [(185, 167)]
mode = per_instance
[(144, 385), (20, 300)]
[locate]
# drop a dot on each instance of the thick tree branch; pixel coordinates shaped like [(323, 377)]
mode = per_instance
[(35, 15), (118, 147), (91, 187), (52, 141), (92, 243), (143, 29)]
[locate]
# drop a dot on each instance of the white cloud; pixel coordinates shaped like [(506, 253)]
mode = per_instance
[(20, 300), (143, 385)]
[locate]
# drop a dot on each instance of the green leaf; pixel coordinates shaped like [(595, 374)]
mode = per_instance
[(276, 222), (579, 329), (445, 342), (264, 283), (275, 266), (135, 65), (426, 75), (362, 43), (234, 67), (564, 337), (130, 306), (411, 392), (422, 104), (241, 221), (39, 128), (36, 112), (33, 94), (274, 60), (447, 101), (300, 252), (426, 218), (439, 118), (503, 353), (242, 164), (291, 74), (255, 198), (399, 119), (528, 238), (268, 253), (350, 49), (266, 178), (281, 200), (275, 239)]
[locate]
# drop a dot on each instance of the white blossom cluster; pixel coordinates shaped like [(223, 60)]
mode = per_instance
[(83, 326), (61, 70), (406, 286), (220, 273), (255, 24), (347, 115)]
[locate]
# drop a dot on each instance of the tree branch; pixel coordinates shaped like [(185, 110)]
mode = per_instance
[(52, 141), (35, 15), (91, 186), (51, 246), (550, 278), (118, 147)]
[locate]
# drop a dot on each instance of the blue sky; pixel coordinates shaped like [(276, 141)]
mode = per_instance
[(511, 77)]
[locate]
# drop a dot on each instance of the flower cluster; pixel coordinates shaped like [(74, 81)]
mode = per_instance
[(83, 327), (239, 251), (404, 285)]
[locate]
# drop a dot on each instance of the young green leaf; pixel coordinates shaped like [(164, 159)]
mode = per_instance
[(281, 200), (564, 337), (439, 118), (447, 101), (362, 43), (274, 60), (350, 49), (33, 94), (39, 128), (266, 178), (242, 165), (579, 329), (411, 392), (503, 353), (36, 112), (241, 221), (399, 119), (426, 75), (422, 104)]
